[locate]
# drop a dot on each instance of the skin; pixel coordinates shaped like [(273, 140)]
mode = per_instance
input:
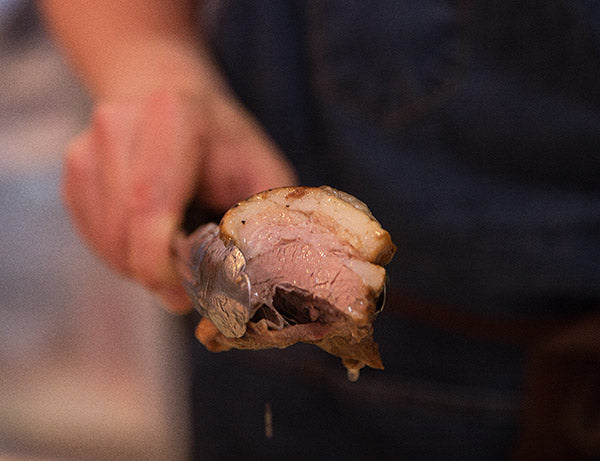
[(164, 130)]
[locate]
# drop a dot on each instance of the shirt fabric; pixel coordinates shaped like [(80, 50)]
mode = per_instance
[(472, 131)]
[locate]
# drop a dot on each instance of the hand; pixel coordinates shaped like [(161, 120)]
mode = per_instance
[(130, 175)]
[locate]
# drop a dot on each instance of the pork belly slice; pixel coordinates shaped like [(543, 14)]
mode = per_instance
[(314, 259)]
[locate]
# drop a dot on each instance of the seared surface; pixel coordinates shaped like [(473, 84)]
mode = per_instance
[(312, 256)]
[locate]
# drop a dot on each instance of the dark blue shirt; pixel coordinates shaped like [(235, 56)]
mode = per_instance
[(472, 130)]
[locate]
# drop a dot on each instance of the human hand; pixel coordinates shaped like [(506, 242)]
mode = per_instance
[(130, 175)]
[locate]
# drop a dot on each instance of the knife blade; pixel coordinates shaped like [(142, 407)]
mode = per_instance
[(213, 276)]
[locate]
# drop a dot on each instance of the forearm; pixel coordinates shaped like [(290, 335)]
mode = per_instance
[(133, 47)]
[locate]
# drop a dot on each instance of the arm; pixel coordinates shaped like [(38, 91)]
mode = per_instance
[(130, 48), (165, 130)]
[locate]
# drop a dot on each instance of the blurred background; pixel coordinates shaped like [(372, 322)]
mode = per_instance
[(90, 366)]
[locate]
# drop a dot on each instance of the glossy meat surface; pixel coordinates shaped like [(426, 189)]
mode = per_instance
[(314, 259)]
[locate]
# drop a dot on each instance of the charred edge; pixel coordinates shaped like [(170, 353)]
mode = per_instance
[(297, 192), (387, 256)]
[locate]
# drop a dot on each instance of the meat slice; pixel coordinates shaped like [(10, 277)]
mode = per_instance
[(314, 260)]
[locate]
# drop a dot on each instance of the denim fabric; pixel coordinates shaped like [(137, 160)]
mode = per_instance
[(472, 130), (441, 396)]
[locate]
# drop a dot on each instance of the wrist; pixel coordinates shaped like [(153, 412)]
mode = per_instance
[(145, 66)]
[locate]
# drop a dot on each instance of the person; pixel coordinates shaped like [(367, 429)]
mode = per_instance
[(471, 129)]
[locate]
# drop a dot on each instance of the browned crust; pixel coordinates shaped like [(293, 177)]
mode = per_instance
[(388, 252), (362, 352), (356, 350), (388, 248), (259, 337), (298, 192)]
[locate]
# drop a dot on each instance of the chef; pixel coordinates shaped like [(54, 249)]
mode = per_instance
[(471, 129)]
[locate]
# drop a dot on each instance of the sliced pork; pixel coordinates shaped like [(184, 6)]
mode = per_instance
[(314, 260)]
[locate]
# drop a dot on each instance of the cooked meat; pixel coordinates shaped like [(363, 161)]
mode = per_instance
[(314, 260)]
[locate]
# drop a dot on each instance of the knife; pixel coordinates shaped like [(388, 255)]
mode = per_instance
[(213, 274)]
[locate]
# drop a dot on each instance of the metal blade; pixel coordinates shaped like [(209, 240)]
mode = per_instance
[(214, 278)]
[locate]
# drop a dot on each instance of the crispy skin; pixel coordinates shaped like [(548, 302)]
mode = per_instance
[(314, 258)]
